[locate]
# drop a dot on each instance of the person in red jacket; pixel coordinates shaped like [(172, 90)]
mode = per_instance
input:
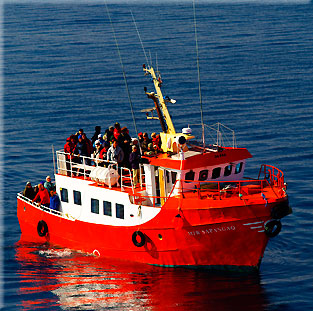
[(69, 149), (42, 195), (117, 130)]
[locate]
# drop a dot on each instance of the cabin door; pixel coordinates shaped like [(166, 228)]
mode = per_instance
[(162, 184)]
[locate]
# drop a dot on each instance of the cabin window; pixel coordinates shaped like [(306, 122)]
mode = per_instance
[(95, 206), (190, 176), (203, 175), (228, 170), (119, 211), (107, 208), (174, 176), (216, 173), (238, 168), (64, 195), (77, 197), (167, 176)]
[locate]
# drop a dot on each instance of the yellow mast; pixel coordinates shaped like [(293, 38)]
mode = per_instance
[(166, 114), (168, 136)]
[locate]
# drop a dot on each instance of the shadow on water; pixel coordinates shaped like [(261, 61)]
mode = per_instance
[(67, 280)]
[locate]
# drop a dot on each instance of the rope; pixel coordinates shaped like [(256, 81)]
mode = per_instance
[(123, 70), (143, 48), (198, 69)]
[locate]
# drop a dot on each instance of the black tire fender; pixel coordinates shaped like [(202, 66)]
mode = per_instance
[(142, 237), (42, 228), (272, 227)]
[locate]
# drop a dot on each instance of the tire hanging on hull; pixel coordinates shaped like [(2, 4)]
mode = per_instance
[(42, 228), (272, 227), (142, 241)]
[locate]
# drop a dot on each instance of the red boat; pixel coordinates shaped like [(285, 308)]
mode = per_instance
[(193, 207)]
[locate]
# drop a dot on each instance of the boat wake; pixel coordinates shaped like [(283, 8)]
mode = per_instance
[(56, 253)]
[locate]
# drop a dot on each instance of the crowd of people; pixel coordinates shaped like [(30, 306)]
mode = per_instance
[(44, 194), (114, 145)]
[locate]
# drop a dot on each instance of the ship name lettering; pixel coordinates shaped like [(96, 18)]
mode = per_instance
[(209, 231)]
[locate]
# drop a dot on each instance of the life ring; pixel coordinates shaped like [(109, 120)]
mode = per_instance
[(142, 241), (272, 227), (42, 228)]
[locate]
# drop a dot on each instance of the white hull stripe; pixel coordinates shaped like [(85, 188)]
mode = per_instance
[(253, 223)]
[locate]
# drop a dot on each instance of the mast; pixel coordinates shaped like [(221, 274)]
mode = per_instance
[(160, 105), (171, 141)]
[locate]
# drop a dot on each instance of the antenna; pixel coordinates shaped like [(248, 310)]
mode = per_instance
[(124, 74), (198, 67)]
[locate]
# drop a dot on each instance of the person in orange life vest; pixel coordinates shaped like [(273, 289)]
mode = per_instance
[(42, 195)]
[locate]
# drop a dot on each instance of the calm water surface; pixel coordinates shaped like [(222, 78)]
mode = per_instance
[(62, 73)]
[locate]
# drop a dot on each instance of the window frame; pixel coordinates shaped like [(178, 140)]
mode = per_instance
[(64, 191), (118, 208), (219, 169), (92, 207), (227, 171), (75, 198), (240, 164), (104, 208), (189, 180)]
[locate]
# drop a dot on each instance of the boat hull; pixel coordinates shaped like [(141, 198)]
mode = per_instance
[(229, 244)]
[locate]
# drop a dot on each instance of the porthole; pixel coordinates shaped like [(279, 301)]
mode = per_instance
[(203, 175)]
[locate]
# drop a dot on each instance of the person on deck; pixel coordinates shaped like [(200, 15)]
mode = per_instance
[(29, 191), (144, 145), (140, 137), (54, 201), (103, 154), (42, 195), (96, 153), (81, 149), (134, 160), (117, 130), (115, 153), (110, 134), (124, 141), (88, 146), (48, 184), (95, 135), (69, 150)]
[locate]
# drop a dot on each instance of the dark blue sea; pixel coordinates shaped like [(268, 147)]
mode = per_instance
[(61, 72)]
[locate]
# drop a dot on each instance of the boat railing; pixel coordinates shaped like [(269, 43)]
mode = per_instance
[(273, 175), (82, 167), (46, 209), (222, 190), (218, 133)]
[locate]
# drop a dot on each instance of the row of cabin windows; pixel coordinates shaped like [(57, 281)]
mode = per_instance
[(216, 172), (107, 206)]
